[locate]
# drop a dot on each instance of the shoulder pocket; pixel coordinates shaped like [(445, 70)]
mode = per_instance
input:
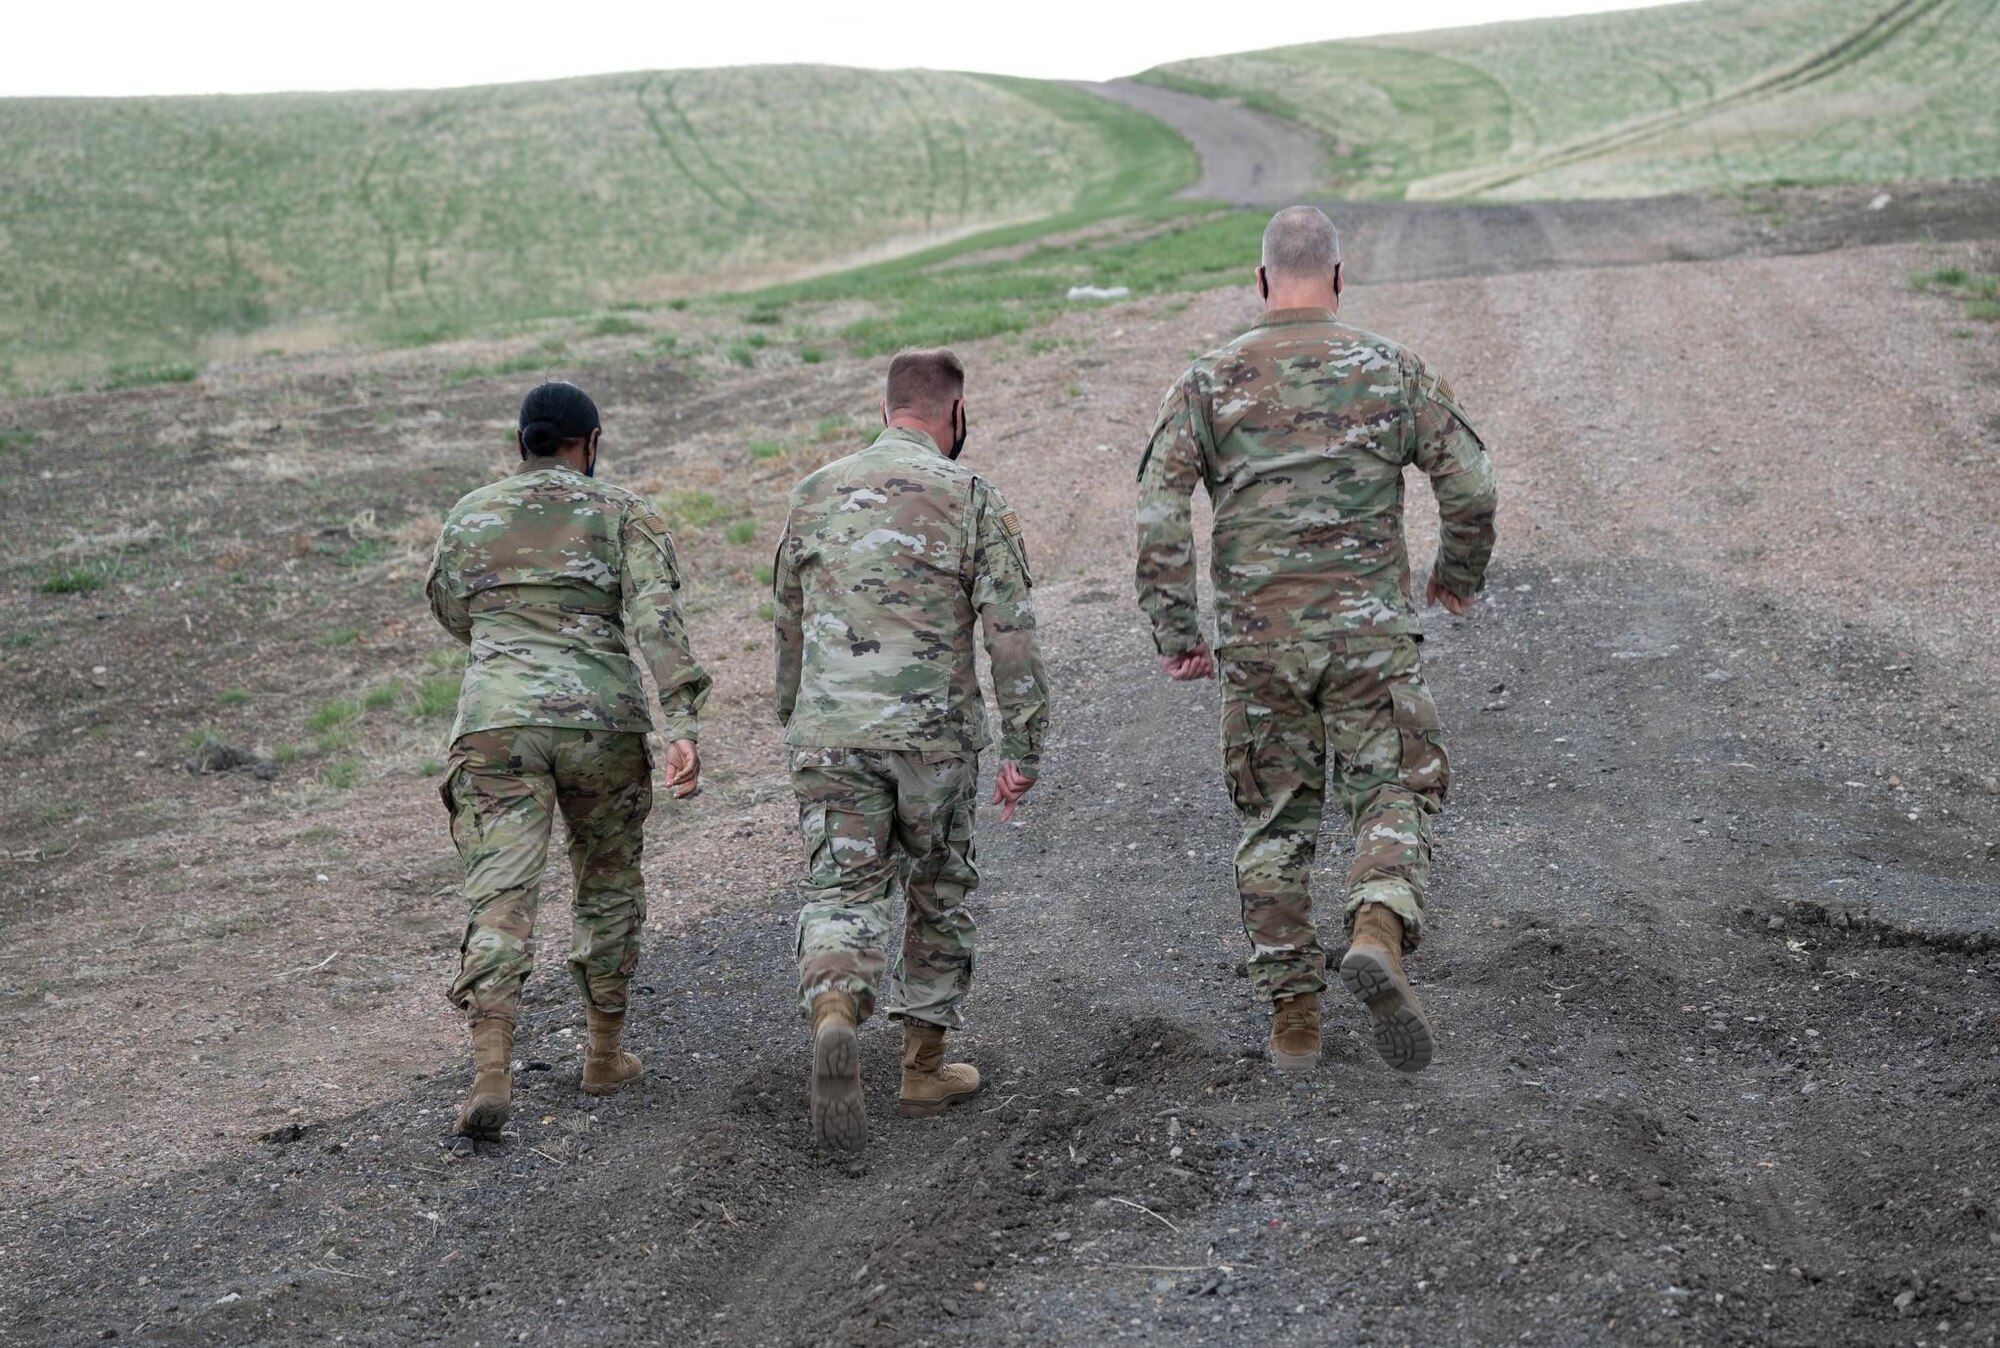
[(1434, 387), (1017, 541), (651, 527)]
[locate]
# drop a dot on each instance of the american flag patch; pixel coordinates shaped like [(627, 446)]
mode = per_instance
[(1011, 523)]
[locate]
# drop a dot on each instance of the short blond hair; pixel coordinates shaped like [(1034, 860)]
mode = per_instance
[(926, 381)]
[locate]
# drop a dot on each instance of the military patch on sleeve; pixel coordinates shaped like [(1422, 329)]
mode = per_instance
[(1011, 523), (653, 529)]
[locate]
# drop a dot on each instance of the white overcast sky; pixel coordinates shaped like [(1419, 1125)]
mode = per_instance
[(114, 47)]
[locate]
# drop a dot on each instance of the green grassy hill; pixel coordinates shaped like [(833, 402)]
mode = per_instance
[(141, 237), (1720, 94)]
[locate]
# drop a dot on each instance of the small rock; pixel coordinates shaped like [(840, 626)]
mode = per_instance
[(1880, 201), (1775, 924), (210, 754), (1904, 1300), (107, 1333), (1378, 1178)]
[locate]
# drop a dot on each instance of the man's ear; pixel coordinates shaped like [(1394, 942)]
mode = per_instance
[(1337, 278), (521, 443), (957, 415), (885, 411), (1263, 285)]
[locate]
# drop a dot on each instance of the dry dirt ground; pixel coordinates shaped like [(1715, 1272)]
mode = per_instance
[(1713, 961)]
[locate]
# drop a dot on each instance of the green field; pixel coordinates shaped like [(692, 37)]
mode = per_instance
[(143, 239), (1718, 95), (140, 238)]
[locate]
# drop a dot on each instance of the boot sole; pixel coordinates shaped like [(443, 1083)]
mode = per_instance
[(839, 1118), (482, 1121), (930, 1109), (1402, 1035), (608, 1087)]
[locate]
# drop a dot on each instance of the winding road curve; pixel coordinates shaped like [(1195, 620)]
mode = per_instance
[(1248, 158)]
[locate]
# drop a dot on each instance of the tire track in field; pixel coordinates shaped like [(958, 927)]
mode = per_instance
[(666, 139), (1856, 46)]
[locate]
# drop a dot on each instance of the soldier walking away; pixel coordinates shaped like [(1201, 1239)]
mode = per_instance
[(890, 558), (1300, 430), (556, 582)]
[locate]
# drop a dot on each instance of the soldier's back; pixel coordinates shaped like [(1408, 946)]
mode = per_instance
[(880, 543), (538, 560), (1309, 428)]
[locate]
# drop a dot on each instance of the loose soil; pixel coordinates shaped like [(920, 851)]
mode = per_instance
[(1713, 959)]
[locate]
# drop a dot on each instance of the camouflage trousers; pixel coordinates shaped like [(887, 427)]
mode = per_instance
[(504, 788), (879, 825), (1283, 708)]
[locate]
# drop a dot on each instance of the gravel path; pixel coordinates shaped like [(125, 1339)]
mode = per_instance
[(1715, 964), (1248, 158)]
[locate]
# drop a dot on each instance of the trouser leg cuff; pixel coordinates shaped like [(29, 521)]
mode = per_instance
[(1398, 898)]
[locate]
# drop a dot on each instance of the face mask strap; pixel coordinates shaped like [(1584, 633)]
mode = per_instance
[(958, 435)]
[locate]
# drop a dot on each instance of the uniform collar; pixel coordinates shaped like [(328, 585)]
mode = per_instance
[(1278, 318), (547, 468), (908, 436)]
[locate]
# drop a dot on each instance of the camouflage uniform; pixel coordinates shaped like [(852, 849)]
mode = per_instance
[(554, 581), (1300, 429), (889, 557)]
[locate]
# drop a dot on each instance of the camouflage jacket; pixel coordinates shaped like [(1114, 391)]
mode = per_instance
[(1300, 429), (889, 556), (554, 581)]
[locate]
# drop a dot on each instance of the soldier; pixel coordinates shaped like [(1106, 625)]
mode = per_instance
[(889, 558), (555, 582), (1300, 429)]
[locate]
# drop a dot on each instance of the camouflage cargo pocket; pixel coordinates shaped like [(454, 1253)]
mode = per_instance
[(1239, 756), (818, 846), (1426, 768)]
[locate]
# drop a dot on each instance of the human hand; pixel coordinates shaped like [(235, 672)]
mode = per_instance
[(1457, 605), (1008, 787), (1188, 666), (683, 769)]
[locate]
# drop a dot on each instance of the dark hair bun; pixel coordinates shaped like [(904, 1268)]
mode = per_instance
[(541, 437), (555, 414)]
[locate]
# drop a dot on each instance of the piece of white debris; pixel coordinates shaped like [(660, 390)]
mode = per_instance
[(1881, 200), (1099, 292)]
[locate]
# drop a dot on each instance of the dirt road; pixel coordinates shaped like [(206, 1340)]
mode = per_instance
[(1248, 158), (1714, 959)]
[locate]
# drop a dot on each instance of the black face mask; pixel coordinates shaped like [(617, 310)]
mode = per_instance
[(958, 437)]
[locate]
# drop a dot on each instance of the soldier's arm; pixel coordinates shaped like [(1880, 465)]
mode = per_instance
[(1001, 595), (1468, 497), (788, 606), (449, 607), (653, 622), (1168, 473)]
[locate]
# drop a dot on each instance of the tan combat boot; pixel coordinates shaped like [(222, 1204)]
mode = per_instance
[(929, 1082), (607, 1068), (839, 1116), (492, 1086), (1294, 1042), (1373, 972)]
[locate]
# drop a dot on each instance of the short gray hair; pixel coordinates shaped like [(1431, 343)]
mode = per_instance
[(1300, 241)]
